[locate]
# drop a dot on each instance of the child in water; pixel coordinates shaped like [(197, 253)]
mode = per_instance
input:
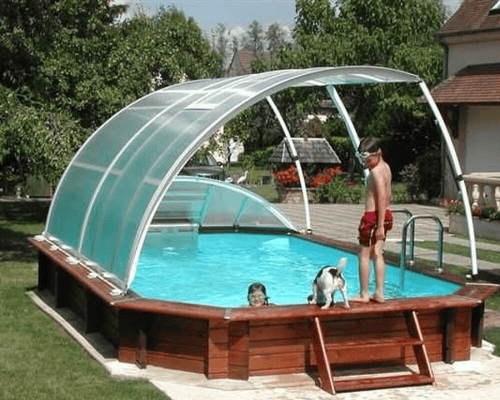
[(257, 296)]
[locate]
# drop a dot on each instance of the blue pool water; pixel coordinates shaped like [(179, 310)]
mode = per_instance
[(216, 269)]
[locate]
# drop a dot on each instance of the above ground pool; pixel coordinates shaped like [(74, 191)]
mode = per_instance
[(200, 327), (217, 268)]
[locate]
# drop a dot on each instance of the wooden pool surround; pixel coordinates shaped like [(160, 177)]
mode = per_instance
[(241, 342)]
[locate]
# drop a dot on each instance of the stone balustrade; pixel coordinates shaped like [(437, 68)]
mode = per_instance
[(483, 189)]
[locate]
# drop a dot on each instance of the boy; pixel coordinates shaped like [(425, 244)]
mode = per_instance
[(377, 219)]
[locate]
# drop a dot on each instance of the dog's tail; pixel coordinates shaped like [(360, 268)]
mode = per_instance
[(341, 264)]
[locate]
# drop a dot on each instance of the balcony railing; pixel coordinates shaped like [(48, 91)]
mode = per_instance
[(483, 189)]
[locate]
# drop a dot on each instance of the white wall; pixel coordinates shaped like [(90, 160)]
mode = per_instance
[(464, 54), (482, 147)]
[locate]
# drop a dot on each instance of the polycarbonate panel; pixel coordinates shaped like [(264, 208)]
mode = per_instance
[(75, 193), (223, 209), (257, 215), (211, 203), (110, 192)]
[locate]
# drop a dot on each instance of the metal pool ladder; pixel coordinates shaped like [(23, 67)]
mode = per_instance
[(410, 223)]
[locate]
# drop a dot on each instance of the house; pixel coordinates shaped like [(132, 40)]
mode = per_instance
[(241, 63), (469, 97)]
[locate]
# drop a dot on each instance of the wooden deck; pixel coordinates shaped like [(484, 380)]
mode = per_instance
[(241, 342)]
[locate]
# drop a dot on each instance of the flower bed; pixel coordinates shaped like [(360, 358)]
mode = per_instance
[(288, 182), (288, 177)]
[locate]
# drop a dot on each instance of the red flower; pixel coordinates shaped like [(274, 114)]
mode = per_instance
[(289, 177)]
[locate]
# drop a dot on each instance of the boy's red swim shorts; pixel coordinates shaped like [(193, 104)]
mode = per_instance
[(368, 225)]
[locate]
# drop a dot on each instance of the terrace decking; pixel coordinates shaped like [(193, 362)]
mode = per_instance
[(241, 342)]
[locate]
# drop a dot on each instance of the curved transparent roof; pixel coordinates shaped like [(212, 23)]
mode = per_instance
[(112, 188), (208, 203)]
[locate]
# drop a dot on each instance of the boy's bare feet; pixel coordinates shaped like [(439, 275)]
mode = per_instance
[(360, 299), (378, 299)]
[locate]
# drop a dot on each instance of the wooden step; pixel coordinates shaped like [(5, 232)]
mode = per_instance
[(373, 343), (415, 339), (383, 382)]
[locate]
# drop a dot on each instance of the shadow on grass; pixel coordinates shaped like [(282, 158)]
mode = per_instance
[(17, 221), (24, 211), (489, 276)]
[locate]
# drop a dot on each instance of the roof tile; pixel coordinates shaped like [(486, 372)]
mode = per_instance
[(312, 150), (473, 15), (476, 84)]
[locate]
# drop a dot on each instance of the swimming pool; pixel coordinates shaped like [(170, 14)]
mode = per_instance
[(217, 268), (239, 342)]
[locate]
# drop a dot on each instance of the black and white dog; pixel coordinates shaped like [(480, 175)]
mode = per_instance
[(328, 280)]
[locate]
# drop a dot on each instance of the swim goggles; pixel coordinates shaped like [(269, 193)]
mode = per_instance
[(365, 154), (253, 297)]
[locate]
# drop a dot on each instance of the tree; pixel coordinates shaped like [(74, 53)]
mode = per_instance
[(69, 66), (236, 45), (220, 40), (385, 33), (34, 141), (254, 40), (39, 134), (276, 38)]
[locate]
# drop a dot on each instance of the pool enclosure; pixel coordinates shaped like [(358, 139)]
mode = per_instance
[(124, 179)]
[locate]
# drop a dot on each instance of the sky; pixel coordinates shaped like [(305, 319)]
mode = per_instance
[(235, 14)]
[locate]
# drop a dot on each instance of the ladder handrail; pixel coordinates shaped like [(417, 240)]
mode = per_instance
[(402, 259), (412, 231)]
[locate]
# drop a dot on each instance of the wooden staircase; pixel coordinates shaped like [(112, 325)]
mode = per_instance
[(333, 385)]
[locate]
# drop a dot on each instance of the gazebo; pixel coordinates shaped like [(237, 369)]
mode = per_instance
[(309, 150), (316, 154)]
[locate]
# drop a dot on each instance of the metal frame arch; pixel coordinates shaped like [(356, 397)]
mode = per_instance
[(206, 108), (290, 78)]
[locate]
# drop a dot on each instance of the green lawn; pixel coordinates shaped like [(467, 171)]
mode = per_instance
[(37, 359), (482, 254)]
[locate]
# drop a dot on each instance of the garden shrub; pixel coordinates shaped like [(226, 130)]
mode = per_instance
[(424, 177), (257, 157), (338, 191), (344, 150), (409, 175), (399, 194)]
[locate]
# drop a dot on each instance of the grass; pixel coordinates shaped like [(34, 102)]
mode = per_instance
[(37, 359), (493, 336), (482, 254)]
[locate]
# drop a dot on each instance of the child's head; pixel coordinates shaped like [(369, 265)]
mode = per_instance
[(257, 296), (369, 152), (368, 144)]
